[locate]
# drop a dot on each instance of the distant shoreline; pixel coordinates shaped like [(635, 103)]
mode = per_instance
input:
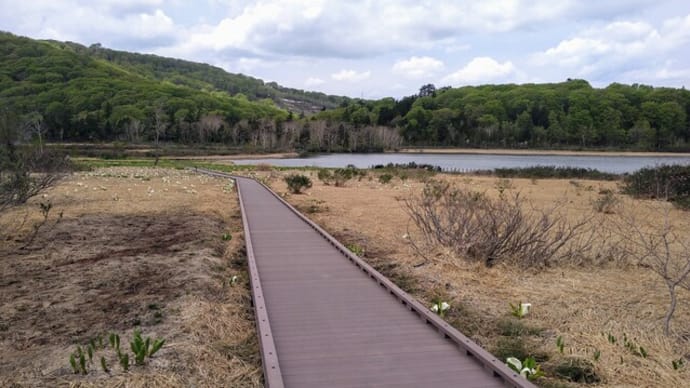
[(498, 151)]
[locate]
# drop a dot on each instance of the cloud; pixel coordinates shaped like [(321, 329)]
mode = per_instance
[(313, 81), (350, 75), (358, 29), (123, 24), (621, 46), (482, 70), (418, 67)]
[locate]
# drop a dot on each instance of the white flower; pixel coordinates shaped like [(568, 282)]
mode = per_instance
[(517, 364), (441, 306)]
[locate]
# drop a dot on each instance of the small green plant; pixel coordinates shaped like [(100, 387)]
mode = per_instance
[(560, 344), (115, 341), (227, 237), (142, 347), (296, 183), (104, 366), (597, 355), (73, 363), (611, 338), (520, 310), (529, 368), (385, 178), (82, 363), (678, 364), (124, 361), (356, 249), (233, 280)]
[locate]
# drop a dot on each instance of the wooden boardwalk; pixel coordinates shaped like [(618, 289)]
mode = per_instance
[(327, 319)]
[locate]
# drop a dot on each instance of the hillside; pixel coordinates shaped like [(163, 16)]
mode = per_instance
[(81, 97), (206, 77)]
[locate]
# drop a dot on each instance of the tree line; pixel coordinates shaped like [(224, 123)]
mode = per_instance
[(570, 114)]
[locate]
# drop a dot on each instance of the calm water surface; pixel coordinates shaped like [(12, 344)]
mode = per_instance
[(613, 164)]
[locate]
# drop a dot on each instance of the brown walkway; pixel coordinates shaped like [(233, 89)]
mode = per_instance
[(326, 319)]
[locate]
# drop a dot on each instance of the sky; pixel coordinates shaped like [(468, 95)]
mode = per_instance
[(380, 48)]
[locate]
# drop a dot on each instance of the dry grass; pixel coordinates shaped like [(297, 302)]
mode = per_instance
[(134, 247), (581, 302)]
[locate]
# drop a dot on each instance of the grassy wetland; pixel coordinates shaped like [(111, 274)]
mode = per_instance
[(128, 246)]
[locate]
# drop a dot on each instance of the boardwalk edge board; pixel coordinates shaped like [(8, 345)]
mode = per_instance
[(268, 351)]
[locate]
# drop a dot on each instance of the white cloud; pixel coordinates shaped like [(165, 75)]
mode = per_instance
[(623, 45), (482, 70), (121, 23), (418, 67), (350, 75), (313, 81), (336, 29)]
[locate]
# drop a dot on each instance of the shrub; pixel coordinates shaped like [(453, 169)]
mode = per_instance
[(606, 202), (263, 167), (385, 178), (296, 183), (26, 173), (541, 172), (666, 182), (492, 231), (577, 370), (661, 246), (342, 175), (325, 176), (410, 170)]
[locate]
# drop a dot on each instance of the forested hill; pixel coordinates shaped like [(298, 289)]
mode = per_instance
[(79, 97), (570, 114), (206, 77)]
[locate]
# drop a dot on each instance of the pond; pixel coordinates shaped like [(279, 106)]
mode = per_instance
[(470, 162)]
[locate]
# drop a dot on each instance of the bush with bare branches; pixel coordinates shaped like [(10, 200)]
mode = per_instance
[(24, 171), (478, 227), (659, 246)]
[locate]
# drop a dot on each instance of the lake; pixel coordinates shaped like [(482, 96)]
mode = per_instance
[(469, 162)]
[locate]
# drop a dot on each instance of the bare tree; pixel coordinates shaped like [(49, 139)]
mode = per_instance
[(209, 125), (664, 249), (133, 129), (33, 122), (160, 123)]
